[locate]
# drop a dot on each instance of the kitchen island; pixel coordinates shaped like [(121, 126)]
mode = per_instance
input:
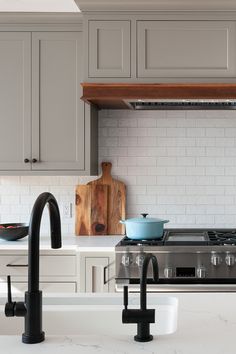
[(207, 324)]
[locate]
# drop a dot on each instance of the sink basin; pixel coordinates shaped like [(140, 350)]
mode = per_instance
[(87, 314)]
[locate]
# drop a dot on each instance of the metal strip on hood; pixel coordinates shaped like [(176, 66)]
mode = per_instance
[(181, 104)]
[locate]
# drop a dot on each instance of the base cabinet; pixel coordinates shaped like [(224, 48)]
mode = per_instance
[(58, 272), (97, 272)]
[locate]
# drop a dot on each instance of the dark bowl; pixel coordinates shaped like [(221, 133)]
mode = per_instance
[(13, 234)]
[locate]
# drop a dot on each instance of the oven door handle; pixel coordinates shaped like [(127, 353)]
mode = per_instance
[(179, 288)]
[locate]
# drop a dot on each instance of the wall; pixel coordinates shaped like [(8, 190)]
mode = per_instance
[(180, 165)]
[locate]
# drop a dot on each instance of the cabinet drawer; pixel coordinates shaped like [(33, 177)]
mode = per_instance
[(18, 288), (49, 265)]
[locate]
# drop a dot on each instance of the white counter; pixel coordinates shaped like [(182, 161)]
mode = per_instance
[(207, 325), (81, 243)]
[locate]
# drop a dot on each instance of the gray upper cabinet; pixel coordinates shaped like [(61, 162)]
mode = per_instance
[(58, 119), (109, 49), (15, 100), (186, 49), (46, 127)]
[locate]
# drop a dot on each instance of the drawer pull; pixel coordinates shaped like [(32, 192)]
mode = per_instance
[(105, 280), (17, 265)]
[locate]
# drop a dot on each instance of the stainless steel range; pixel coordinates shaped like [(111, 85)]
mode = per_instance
[(190, 260)]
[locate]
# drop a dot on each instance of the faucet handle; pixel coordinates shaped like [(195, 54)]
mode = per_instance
[(126, 294), (13, 308), (10, 305)]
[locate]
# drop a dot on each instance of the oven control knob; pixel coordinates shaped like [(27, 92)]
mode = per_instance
[(168, 272), (216, 259), (139, 260), (126, 260), (201, 272), (230, 260)]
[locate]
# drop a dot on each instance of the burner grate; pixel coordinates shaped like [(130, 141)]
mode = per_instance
[(221, 237), (152, 242)]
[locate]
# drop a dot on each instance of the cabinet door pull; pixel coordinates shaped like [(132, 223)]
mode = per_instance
[(105, 278), (26, 160), (34, 160), (17, 265)]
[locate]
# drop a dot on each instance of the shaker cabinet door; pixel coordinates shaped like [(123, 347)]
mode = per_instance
[(15, 100), (109, 49), (186, 49), (57, 112)]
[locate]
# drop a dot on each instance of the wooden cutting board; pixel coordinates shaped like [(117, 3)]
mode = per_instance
[(91, 210), (116, 199)]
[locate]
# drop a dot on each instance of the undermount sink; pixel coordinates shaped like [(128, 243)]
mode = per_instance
[(87, 314)]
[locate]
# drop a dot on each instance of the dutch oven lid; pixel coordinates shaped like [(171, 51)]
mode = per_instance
[(145, 220)]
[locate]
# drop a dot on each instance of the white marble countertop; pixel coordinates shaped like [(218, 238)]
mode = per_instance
[(79, 243), (207, 325)]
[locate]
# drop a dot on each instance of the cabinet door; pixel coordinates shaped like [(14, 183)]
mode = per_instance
[(57, 111), (96, 274), (15, 100), (109, 49), (186, 49)]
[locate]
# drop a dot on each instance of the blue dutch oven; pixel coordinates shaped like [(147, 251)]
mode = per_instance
[(144, 228)]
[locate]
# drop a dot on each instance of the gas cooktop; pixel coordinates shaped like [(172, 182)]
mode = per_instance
[(187, 237), (188, 260)]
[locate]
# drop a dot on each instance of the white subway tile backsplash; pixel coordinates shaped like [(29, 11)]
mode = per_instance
[(215, 151), (195, 132), (224, 142), (117, 132), (138, 151), (225, 181), (147, 122), (216, 171), (158, 132), (108, 141), (175, 132), (147, 141), (146, 199), (127, 161), (146, 180), (205, 161), (180, 165), (205, 219), (127, 141), (137, 132), (215, 132), (204, 142), (127, 122), (195, 171), (117, 151), (176, 171), (146, 161)]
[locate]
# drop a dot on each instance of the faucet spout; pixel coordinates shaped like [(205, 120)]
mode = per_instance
[(33, 297), (31, 308), (143, 316), (143, 281), (34, 234)]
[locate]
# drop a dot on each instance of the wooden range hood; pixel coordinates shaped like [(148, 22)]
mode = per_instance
[(116, 95)]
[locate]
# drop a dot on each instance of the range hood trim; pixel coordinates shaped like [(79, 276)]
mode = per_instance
[(118, 95)]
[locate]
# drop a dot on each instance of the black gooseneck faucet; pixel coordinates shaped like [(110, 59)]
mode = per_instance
[(31, 309), (143, 316)]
